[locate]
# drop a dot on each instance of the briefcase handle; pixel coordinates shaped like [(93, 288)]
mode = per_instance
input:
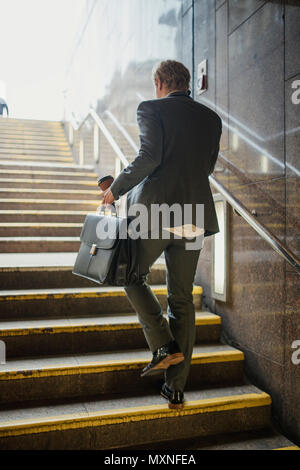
[(103, 184), (103, 209)]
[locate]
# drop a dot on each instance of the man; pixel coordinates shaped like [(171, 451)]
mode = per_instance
[(3, 107), (179, 148)]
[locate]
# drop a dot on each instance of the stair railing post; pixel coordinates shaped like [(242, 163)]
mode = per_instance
[(96, 143), (81, 152), (71, 134), (117, 166)]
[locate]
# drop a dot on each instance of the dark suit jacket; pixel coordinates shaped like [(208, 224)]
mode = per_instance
[(179, 146)]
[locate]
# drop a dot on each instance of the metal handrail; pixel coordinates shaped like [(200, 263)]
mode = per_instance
[(122, 130), (268, 236), (91, 113)]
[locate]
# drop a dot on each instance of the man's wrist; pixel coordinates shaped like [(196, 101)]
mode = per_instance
[(114, 191)]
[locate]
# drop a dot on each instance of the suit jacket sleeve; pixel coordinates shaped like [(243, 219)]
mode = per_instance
[(150, 153), (215, 146)]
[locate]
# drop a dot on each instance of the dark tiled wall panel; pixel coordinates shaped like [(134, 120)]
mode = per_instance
[(219, 3), (292, 121), (292, 40), (291, 376), (204, 45), (240, 10), (222, 68), (186, 4), (187, 41), (256, 99)]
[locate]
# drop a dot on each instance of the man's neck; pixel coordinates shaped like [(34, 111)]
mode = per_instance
[(173, 91)]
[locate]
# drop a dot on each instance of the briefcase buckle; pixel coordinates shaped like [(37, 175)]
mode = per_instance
[(93, 249)]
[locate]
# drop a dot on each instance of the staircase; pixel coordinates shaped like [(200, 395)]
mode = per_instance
[(74, 351)]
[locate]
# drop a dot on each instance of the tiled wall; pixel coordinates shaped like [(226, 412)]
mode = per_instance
[(253, 52)]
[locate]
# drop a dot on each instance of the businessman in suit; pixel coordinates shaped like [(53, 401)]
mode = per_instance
[(179, 145)]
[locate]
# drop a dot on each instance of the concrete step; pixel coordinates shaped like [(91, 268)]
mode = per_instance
[(45, 166), (77, 335), (33, 146), (38, 244), (38, 261), (35, 135), (49, 204), (31, 130), (50, 193), (40, 229), (13, 150), (28, 304), (108, 372), (115, 422), (42, 216), (35, 157), (44, 183), (57, 127), (34, 142), (15, 122), (259, 439), (34, 122), (41, 272), (16, 174)]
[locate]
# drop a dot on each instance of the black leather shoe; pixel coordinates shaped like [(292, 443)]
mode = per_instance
[(175, 397), (165, 356)]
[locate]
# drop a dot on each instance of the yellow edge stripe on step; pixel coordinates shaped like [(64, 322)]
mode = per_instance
[(42, 138), (32, 139), (50, 268), (25, 152), (54, 329), (130, 415), (52, 201), (45, 172), (36, 142), (15, 123), (17, 269), (50, 190), (8, 133), (33, 152), (37, 157), (39, 212), (111, 366), (40, 224), (32, 145), (208, 320), (67, 329), (83, 294), (41, 181), (16, 129), (288, 448)]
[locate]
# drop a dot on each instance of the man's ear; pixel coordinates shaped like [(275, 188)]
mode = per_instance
[(158, 83)]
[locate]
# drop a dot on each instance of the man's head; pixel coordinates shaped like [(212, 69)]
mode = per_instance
[(169, 76)]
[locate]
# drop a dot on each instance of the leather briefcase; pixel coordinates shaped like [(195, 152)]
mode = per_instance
[(109, 260)]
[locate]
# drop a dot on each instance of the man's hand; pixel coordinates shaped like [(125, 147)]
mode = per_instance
[(108, 197)]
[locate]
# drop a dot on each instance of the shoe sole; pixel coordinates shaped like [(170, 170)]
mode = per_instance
[(177, 406), (172, 406), (170, 360)]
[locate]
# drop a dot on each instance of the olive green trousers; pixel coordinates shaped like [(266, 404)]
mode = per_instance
[(181, 267)]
